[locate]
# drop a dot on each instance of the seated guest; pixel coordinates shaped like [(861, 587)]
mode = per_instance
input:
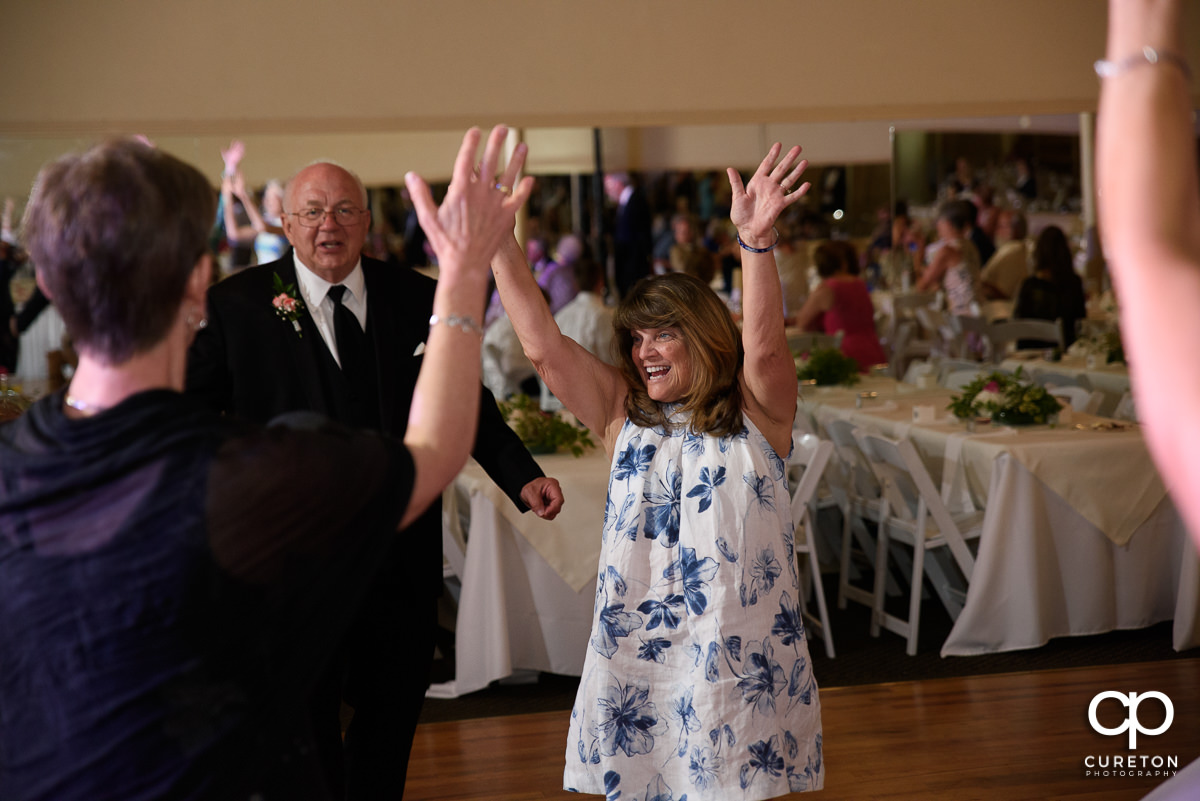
[(1009, 265), (506, 370), (173, 583), (844, 304), (953, 261), (556, 280), (586, 319), (1054, 291)]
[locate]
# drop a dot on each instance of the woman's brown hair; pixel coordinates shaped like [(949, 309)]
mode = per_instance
[(713, 404)]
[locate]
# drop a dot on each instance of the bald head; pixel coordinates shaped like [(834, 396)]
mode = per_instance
[(332, 248)]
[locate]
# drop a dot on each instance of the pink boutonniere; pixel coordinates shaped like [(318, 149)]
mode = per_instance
[(287, 305)]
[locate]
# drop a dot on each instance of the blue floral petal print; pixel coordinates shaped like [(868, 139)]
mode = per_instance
[(712, 665), (764, 678), (798, 688), (708, 483), (695, 576), (662, 613), (654, 650), (778, 468), (693, 444), (734, 646), (683, 711), (616, 582), (657, 790), (761, 487), (726, 551), (662, 510), (627, 523), (704, 766), (789, 743), (614, 622), (612, 780), (634, 460), (628, 721), (789, 625), (764, 571), (764, 757)]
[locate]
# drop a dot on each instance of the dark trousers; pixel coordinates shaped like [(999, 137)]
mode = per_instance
[(382, 672)]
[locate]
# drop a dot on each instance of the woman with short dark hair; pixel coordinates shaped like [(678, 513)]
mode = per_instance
[(173, 583)]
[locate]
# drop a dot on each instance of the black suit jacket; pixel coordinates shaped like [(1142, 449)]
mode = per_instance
[(250, 363), (632, 241)]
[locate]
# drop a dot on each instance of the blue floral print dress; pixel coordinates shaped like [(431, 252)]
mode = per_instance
[(697, 682)]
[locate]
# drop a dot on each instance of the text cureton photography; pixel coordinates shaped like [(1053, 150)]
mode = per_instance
[(1130, 764)]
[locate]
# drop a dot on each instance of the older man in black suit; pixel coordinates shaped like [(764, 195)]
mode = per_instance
[(329, 331)]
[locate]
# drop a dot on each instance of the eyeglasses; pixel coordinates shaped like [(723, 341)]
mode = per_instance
[(312, 218)]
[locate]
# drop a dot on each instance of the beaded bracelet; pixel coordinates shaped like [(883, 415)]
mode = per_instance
[(464, 323), (1148, 55), (767, 249)]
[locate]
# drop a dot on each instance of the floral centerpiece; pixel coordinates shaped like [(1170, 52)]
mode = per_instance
[(543, 432), (827, 366), (1107, 347), (1006, 399)]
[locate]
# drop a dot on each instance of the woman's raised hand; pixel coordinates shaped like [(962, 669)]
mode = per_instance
[(479, 210), (758, 204)]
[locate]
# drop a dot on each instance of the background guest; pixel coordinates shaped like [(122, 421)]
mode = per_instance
[(1054, 291), (631, 231), (1009, 266), (841, 302), (955, 261)]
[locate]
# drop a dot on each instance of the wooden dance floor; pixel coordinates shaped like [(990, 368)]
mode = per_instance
[(1004, 737)]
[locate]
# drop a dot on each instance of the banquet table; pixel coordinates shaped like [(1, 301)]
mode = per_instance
[(1110, 379), (1079, 535), (528, 584)]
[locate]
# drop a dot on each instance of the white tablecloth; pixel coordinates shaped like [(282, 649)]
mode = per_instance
[(1043, 570), (528, 585)]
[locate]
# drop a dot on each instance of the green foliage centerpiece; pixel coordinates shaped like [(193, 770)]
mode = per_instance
[(1006, 399), (543, 432), (828, 367)]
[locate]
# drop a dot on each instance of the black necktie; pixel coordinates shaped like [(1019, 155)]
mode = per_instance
[(357, 358), (347, 331)]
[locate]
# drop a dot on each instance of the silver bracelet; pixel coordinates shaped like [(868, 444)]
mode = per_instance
[(462, 322), (1148, 55)]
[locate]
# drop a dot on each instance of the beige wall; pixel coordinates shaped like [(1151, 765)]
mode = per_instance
[(378, 84)]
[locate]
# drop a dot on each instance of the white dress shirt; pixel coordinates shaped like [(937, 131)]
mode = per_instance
[(314, 291)]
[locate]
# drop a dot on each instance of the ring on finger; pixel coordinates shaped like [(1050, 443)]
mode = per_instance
[(505, 189)]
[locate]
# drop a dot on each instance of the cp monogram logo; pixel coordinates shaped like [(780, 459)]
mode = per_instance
[(1131, 722)]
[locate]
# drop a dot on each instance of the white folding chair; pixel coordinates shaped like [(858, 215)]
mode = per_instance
[(857, 492), (905, 336), (1062, 380), (1001, 335), (960, 378), (913, 513), (1125, 409), (812, 454), (1081, 400), (947, 366)]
